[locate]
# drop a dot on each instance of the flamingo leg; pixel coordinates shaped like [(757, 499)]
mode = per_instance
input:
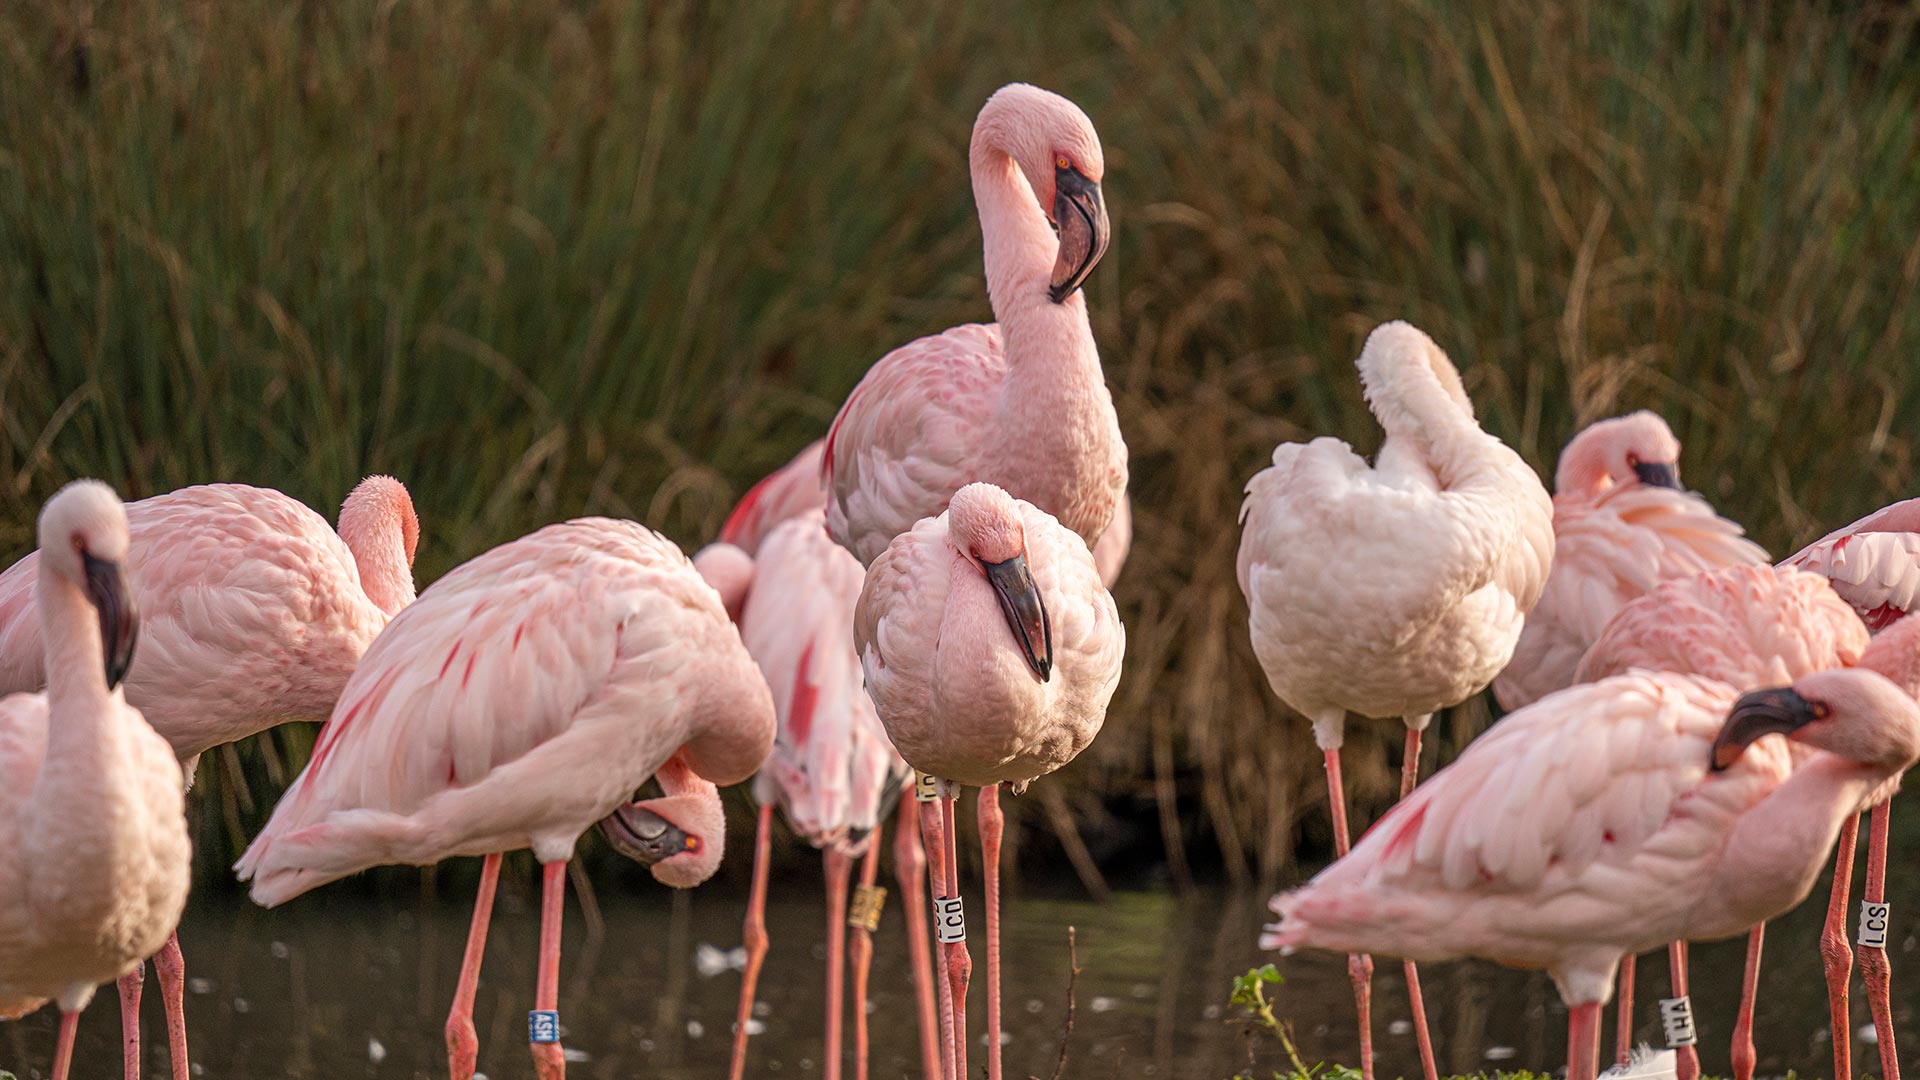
[(1583, 1041), (933, 831), (1835, 951), (1875, 971), (549, 1060), (463, 1043), (992, 826), (1359, 965), (1409, 776), (130, 985), (1686, 1064), (1623, 1021), (838, 866), (63, 1050), (860, 955), (959, 963), (754, 936), (1743, 1053), (171, 969), (910, 868)]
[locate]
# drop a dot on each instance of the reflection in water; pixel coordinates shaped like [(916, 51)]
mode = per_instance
[(339, 986)]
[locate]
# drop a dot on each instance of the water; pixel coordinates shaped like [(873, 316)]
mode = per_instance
[(338, 985)]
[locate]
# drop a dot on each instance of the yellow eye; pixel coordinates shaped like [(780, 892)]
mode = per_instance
[(1820, 710), (1062, 162)]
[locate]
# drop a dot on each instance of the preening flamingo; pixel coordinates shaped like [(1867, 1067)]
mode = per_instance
[(521, 700), (1396, 590), (1589, 825), (832, 772), (1748, 627), (1021, 403), (1874, 563), (94, 857), (991, 651), (1621, 525), (255, 613)]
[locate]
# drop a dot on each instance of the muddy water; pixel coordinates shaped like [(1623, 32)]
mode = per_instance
[(345, 985)]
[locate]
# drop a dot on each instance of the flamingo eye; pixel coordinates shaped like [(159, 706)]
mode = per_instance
[(1821, 711), (1061, 162)]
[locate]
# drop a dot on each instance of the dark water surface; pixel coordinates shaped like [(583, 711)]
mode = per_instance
[(337, 986)]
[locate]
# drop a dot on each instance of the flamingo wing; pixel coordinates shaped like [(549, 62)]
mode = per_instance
[(789, 491), (896, 623), (1874, 563)]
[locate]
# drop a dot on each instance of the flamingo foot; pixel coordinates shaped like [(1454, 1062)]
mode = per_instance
[(1623, 1021), (837, 866), (1835, 952), (549, 1059), (1743, 1053), (753, 935), (992, 826), (463, 1042), (1875, 970), (130, 985), (171, 968), (934, 833), (959, 962), (1686, 1064), (864, 919), (910, 869)]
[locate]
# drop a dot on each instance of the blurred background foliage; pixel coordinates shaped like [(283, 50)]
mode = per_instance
[(547, 258)]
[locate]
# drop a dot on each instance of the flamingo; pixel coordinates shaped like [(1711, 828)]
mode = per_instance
[(1621, 525), (517, 703), (1396, 590), (832, 773), (94, 856), (255, 614), (991, 650), (1589, 825), (1748, 627)]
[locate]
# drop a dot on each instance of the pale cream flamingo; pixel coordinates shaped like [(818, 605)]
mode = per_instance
[(1396, 590), (991, 650), (521, 700), (256, 612), (94, 857), (1621, 525), (1587, 827)]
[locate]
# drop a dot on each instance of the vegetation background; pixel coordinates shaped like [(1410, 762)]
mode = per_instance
[(597, 256)]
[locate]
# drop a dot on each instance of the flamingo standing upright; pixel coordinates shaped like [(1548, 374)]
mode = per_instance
[(1589, 825), (1621, 525), (991, 650), (94, 856), (1396, 590), (255, 614), (521, 700)]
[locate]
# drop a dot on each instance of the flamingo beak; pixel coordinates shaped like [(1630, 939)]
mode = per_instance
[(1080, 214), (112, 597), (644, 836), (1025, 610), (1761, 713), (1658, 474)]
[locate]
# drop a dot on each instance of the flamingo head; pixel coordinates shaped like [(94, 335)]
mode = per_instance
[(83, 541), (679, 836), (983, 523), (1638, 448), (1850, 712), (1055, 147), (380, 528)]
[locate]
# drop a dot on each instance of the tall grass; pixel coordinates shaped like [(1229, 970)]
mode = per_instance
[(540, 259)]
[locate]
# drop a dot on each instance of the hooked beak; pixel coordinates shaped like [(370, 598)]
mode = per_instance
[(1025, 610), (1655, 474), (112, 597), (1080, 214), (644, 836), (1760, 713)]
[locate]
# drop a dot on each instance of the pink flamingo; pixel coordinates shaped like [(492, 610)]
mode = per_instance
[(522, 699), (94, 857), (832, 772), (1748, 627), (991, 651), (1021, 403), (1587, 827), (1621, 525), (256, 613), (1397, 590)]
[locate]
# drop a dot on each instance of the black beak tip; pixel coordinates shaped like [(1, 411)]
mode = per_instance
[(1059, 293)]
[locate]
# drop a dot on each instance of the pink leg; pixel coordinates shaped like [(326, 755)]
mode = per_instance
[(860, 959), (1686, 1064), (754, 936), (1623, 1022), (1837, 953), (130, 985), (171, 968), (549, 1060), (910, 868), (1359, 966), (463, 1043), (992, 826), (1743, 1052), (1409, 776), (1874, 969), (837, 866), (959, 963), (1583, 1041), (63, 1051), (933, 830)]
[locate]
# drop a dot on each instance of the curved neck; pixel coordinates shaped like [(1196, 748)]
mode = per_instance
[(380, 554), (79, 705), (1581, 471), (1426, 419)]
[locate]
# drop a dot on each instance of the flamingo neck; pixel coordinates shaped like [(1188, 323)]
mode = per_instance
[(380, 554), (1582, 471), (1782, 841), (1895, 653), (1428, 421), (82, 712)]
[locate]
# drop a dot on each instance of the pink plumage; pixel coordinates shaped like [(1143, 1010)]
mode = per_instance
[(1621, 524), (1874, 563), (787, 492)]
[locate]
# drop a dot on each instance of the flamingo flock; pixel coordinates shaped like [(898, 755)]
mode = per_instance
[(918, 603)]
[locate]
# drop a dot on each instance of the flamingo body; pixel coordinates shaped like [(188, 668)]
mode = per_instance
[(1874, 563)]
